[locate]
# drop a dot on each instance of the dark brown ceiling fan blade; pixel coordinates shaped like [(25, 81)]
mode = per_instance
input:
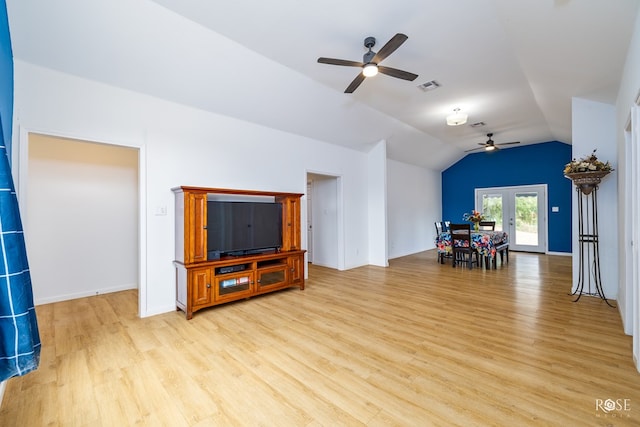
[(395, 42), (400, 74), (355, 83), (474, 149), (344, 62), (508, 143)]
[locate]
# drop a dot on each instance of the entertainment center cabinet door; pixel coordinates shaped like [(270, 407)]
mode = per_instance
[(190, 225), (296, 266), (290, 222), (233, 286), (272, 278), (200, 282), (196, 227)]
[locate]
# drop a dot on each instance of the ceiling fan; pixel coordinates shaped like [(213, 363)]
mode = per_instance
[(490, 145), (371, 60)]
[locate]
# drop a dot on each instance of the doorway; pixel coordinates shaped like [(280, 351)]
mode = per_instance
[(324, 223), (80, 207), (520, 211)]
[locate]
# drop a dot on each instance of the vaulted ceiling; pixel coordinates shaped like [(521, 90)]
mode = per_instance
[(512, 65)]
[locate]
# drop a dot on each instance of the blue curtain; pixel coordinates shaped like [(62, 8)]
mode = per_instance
[(19, 337)]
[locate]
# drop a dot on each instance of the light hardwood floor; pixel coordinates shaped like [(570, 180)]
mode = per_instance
[(415, 344)]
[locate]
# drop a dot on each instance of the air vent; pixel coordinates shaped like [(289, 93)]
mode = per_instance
[(431, 85), (478, 124)]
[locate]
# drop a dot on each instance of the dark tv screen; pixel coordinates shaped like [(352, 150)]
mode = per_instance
[(237, 228)]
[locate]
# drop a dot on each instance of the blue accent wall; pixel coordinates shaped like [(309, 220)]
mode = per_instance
[(6, 79), (526, 165)]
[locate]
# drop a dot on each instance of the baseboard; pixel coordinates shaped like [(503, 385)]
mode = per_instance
[(84, 294), (3, 387), (560, 253), (160, 310)]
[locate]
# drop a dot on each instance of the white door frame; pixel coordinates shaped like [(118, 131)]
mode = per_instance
[(509, 192), (632, 213)]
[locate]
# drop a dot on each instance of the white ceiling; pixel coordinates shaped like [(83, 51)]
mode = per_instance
[(514, 65)]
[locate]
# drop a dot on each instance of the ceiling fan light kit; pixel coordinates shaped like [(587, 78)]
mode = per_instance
[(457, 118), (370, 70)]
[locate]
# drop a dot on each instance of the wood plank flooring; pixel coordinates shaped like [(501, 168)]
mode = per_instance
[(415, 344)]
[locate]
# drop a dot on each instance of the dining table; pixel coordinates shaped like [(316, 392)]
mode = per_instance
[(485, 242)]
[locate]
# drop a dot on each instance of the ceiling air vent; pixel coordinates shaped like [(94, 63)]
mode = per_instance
[(431, 85), (477, 124)]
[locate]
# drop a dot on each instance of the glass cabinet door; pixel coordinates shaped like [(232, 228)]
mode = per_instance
[(233, 285), (272, 277)]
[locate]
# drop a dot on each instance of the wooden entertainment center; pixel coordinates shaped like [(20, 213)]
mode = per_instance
[(202, 283)]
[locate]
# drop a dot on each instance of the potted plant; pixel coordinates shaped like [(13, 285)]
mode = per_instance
[(587, 172), (475, 217)]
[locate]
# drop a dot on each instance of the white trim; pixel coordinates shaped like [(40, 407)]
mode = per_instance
[(3, 387), (77, 295), (560, 253), (632, 211)]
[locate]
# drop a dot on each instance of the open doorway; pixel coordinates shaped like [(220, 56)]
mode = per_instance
[(324, 221), (81, 217)]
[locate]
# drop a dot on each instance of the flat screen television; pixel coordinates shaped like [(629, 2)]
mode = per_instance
[(242, 228)]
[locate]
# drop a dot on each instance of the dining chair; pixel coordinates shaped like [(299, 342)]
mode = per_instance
[(440, 227), (487, 225), (461, 245), (502, 249)]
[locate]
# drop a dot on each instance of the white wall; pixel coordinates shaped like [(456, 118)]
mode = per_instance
[(81, 205), (594, 127), (185, 146), (377, 190), (414, 204)]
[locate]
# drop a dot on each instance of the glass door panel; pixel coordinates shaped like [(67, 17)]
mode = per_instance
[(492, 208), (526, 218)]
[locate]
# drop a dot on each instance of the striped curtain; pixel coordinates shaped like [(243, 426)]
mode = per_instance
[(19, 337)]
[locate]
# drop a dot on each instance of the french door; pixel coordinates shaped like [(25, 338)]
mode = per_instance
[(520, 211)]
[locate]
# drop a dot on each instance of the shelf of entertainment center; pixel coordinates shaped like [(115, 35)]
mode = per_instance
[(249, 262)]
